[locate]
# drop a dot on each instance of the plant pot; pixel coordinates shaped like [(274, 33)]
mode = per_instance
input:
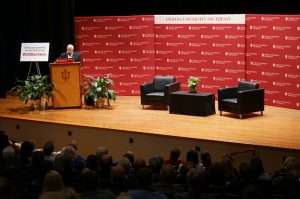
[(36, 104), (193, 89), (100, 103)]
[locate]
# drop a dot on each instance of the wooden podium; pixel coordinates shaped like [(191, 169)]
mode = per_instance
[(66, 77)]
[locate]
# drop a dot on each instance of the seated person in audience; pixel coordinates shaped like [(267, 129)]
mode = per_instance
[(130, 156), (167, 186), (118, 181), (91, 189), (206, 160), (174, 158), (145, 191), (6, 189), (101, 151), (155, 164), (49, 151), (197, 186)]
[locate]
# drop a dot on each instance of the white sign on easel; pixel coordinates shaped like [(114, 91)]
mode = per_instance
[(34, 52)]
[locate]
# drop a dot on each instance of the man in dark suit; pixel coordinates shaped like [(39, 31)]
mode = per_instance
[(71, 54)]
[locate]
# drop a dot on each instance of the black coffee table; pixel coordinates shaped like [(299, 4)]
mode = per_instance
[(201, 104)]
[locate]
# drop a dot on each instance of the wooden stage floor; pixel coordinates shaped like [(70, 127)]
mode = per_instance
[(279, 127)]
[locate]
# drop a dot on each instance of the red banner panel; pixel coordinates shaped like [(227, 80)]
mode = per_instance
[(209, 46), (122, 46), (220, 49), (273, 57)]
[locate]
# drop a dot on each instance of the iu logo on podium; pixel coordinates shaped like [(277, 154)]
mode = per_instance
[(65, 75)]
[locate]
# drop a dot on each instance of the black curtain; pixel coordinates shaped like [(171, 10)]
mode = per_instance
[(32, 21), (53, 21), (137, 7)]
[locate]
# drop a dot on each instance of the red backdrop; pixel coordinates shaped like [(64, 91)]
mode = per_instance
[(220, 49)]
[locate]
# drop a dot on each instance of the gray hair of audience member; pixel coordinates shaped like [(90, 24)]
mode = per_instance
[(101, 150), (53, 182), (126, 164), (58, 162), (130, 156), (69, 150), (289, 163), (8, 153)]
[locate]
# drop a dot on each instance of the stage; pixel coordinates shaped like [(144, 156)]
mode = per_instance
[(277, 128)]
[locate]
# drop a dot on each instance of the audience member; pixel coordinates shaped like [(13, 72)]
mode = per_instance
[(174, 158), (145, 191), (91, 187), (53, 182)]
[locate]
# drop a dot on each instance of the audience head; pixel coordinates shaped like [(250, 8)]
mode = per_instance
[(197, 180), (89, 180), (117, 175), (206, 160), (6, 188), (92, 162), (139, 163), (126, 164), (69, 150), (26, 151), (130, 156), (167, 174), (216, 174), (257, 166), (155, 164), (228, 166), (48, 148), (252, 191), (174, 154), (192, 156), (144, 177), (289, 163), (106, 163), (124, 195), (73, 143), (246, 171), (37, 159), (67, 162), (53, 182), (101, 151), (8, 153)]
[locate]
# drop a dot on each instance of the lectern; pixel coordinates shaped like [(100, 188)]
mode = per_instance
[(66, 77)]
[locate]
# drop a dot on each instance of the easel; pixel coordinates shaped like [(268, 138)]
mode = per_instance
[(37, 69)]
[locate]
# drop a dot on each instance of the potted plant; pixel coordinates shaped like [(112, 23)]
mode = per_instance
[(193, 83), (97, 89), (33, 90)]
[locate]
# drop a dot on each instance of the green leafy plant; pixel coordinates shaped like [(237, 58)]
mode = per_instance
[(193, 82), (97, 88), (35, 87)]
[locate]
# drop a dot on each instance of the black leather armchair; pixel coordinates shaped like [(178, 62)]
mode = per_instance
[(243, 99), (158, 91)]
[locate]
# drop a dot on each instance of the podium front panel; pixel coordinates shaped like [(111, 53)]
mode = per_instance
[(66, 77)]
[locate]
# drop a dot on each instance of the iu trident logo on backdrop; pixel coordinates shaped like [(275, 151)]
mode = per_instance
[(65, 75)]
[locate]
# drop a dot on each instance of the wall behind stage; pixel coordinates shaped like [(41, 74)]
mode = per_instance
[(221, 49)]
